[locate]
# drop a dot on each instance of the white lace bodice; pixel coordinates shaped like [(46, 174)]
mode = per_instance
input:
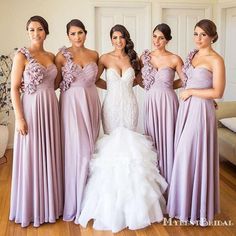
[(120, 107)]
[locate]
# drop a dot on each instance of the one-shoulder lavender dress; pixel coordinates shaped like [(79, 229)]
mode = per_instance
[(37, 191), (80, 121), (160, 112), (194, 188)]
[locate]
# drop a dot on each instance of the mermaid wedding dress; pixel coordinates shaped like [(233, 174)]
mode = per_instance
[(124, 188)]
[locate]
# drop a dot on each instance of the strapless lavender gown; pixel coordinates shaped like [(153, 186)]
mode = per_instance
[(160, 112), (80, 122), (194, 188), (37, 192)]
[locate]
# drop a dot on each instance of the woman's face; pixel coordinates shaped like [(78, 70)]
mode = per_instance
[(118, 41), (201, 39), (36, 32), (77, 36), (159, 40)]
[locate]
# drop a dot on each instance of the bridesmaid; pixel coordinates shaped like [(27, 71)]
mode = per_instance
[(80, 114), (161, 102), (37, 193), (194, 188)]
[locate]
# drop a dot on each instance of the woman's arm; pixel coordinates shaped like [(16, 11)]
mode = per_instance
[(179, 82), (217, 91), (100, 83), (16, 77), (59, 61), (139, 79)]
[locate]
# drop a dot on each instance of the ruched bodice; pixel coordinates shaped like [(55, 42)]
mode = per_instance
[(154, 78), (49, 74), (76, 76), (164, 78), (36, 76), (83, 77), (199, 78), (120, 107)]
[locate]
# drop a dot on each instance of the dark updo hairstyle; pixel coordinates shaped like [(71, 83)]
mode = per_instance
[(77, 23), (40, 20), (165, 29), (129, 47), (209, 28)]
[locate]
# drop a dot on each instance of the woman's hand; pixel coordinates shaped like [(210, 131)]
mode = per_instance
[(215, 104), (21, 126), (185, 94), (138, 80)]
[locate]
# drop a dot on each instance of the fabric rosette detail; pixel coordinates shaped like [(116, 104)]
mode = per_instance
[(69, 75), (63, 50), (68, 71), (34, 71), (148, 72), (26, 52), (188, 64)]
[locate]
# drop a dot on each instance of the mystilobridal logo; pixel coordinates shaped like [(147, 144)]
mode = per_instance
[(203, 222)]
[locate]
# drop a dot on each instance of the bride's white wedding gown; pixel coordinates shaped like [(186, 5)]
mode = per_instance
[(124, 188)]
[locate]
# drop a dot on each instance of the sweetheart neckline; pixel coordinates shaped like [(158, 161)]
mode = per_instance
[(120, 76), (164, 68), (46, 67), (41, 65), (200, 67), (86, 65)]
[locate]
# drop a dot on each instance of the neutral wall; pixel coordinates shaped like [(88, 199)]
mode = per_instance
[(14, 15)]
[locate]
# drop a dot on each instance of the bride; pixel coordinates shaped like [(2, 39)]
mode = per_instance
[(124, 188)]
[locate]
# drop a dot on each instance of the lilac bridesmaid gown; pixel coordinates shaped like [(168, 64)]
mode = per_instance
[(80, 122), (194, 188), (37, 192), (160, 111)]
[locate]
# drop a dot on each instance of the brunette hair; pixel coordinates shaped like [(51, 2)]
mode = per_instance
[(129, 47), (40, 20), (77, 23), (209, 27), (165, 29)]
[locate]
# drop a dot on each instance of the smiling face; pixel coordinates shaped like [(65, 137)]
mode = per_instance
[(118, 40), (77, 36), (201, 39), (36, 32), (159, 40)]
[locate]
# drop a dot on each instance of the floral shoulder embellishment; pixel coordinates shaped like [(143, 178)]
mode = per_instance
[(148, 72), (34, 71), (188, 63), (26, 52), (68, 71), (63, 50)]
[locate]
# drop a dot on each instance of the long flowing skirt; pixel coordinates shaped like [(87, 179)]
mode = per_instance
[(80, 122), (37, 188), (161, 107), (194, 188)]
